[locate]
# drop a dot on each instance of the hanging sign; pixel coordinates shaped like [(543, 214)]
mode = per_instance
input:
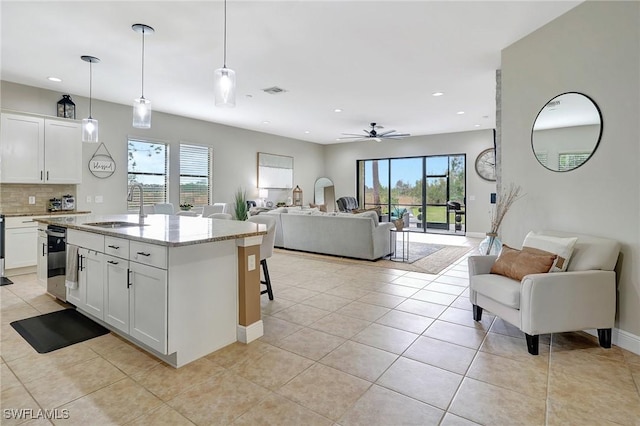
[(101, 164)]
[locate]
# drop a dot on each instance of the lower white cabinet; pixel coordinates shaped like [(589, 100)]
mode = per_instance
[(21, 238), (89, 294), (116, 295), (148, 305)]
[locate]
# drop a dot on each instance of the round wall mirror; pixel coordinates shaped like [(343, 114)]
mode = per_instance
[(324, 193), (566, 132)]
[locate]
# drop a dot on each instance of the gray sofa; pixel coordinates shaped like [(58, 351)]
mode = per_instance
[(341, 234)]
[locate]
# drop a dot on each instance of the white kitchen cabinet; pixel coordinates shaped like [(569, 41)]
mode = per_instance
[(148, 306), (40, 150), (41, 254), (116, 296), (89, 294), (21, 240)]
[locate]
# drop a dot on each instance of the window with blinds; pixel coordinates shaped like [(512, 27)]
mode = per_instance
[(195, 174), (147, 165), (569, 161)]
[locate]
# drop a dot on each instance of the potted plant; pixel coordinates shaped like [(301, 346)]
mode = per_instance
[(240, 204), (186, 206)]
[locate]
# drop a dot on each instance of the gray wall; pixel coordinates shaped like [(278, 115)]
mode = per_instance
[(593, 49), (340, 166), (235, 150)]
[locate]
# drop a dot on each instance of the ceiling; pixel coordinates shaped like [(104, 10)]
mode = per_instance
[(378, 61)]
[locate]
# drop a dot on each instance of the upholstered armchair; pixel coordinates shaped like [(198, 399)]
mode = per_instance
[(583, 297)]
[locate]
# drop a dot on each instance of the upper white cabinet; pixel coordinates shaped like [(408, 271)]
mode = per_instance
[(40, 150)]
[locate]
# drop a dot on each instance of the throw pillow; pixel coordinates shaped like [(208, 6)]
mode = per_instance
[(516, 264), (321, 207), (541, 244)]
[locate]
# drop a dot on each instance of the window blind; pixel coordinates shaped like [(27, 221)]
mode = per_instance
[(195, 174)]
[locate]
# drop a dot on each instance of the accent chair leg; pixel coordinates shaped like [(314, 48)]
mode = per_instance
[(604, 337), (532, 343), (477, 313), (267, 279)]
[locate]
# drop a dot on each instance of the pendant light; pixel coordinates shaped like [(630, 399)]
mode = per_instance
[(225, 78), (142, 106), (89, 125)]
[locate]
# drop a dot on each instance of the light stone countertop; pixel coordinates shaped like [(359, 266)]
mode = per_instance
[(166, 230), (55, 213)]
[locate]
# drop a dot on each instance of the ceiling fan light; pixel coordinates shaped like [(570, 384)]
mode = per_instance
[(89, 130), (142, 113), (225, 87)]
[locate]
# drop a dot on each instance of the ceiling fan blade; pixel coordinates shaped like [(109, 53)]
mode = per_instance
[(353, 138), (386, 133), (354, 134), (377, 139), (400, 135)]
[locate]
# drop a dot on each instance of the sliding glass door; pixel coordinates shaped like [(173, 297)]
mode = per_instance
[(421, 190)]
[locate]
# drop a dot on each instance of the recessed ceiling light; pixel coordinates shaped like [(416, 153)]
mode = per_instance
[(307, 132), (460, 112), (266, 122), (485, 116), (337, 110), (437, 94), (55, 79), (476, 125)]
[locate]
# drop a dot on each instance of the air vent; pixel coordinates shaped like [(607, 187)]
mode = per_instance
[(275, 90)]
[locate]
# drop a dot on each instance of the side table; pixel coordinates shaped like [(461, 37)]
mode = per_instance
[(393, 245)]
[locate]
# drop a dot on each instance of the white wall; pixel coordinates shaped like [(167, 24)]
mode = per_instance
[(593, 49), (235, 150), (340, 166)]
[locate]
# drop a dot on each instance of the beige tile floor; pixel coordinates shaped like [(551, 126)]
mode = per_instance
[(343, 344)]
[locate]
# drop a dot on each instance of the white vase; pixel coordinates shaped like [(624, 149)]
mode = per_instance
[(491, 245)]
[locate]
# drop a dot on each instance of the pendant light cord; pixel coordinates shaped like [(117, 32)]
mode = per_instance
[(224, 60), (142, 97), (90, 86)]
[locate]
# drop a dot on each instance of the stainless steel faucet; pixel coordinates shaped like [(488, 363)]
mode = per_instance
[(130, 198)]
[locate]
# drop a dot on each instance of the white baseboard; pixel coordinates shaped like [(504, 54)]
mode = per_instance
[(250, 333), (623, 339), (475, 234)]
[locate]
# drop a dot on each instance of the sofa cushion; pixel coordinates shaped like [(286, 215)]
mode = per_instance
[(544, 244), (516, 264), (499, 288), (371, 214)]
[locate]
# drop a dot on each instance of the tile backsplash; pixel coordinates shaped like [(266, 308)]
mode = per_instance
[(14, 197)]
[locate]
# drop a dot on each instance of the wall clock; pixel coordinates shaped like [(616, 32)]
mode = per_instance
[(486, 164)]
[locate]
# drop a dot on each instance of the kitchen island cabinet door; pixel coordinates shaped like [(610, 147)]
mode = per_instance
[(148, 306), (89, 296), (116, 300)]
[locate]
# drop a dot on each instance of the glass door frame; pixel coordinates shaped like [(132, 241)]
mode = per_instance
[(360, 189)]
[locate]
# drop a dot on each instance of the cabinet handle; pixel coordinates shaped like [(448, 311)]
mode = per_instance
[(28, 221), (112, 262), (143, 253), (80, 267), (40, 174), (47, 174), (129, 278), (114, 247), (43, 246)]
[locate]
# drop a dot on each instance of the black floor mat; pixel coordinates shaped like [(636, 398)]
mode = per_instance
[(57, 330), (5, 281)]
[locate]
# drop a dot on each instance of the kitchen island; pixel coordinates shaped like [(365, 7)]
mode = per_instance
[(179, 287)]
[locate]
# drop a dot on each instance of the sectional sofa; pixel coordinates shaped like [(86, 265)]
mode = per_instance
[(340, 234)]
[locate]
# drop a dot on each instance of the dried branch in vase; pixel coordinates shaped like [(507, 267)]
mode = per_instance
[(505, 199)]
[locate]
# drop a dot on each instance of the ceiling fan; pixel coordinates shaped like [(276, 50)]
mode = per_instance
[(374, 134)]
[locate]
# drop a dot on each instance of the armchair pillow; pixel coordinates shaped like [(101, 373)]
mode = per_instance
[(545, 244), (516, 264)]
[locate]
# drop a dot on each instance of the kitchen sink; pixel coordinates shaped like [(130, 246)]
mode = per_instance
[(115, 224)]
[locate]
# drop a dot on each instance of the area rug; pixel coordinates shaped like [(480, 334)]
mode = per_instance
[(435, 259), (56, 330)]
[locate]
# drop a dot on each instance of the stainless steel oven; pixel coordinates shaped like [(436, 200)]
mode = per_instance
[(56, 261)]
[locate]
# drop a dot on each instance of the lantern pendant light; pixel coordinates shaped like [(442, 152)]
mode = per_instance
[(142, 106), (89, 125), (225, 78)]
